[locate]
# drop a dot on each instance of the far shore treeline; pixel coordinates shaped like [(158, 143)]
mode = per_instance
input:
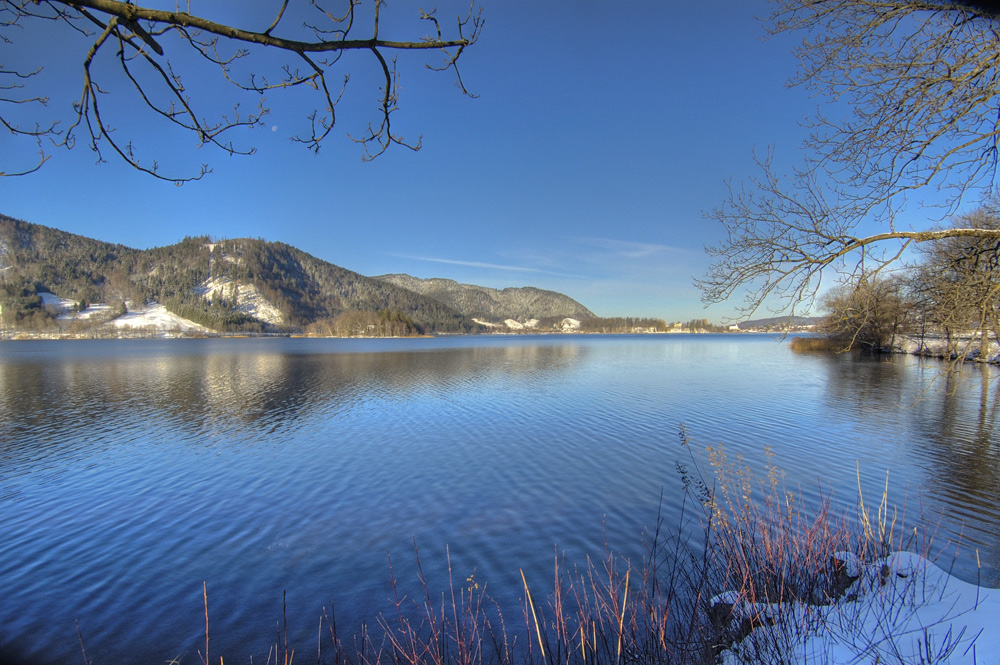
[(252, 286)]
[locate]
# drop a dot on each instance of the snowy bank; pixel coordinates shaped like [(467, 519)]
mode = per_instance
[(901, 609), (937, 347)]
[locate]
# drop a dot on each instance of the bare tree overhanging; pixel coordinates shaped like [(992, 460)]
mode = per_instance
[(956, 285), (915, 90), (145, 42), (869, 314)]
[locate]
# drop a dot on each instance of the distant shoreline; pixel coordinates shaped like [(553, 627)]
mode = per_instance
[(28, 336)]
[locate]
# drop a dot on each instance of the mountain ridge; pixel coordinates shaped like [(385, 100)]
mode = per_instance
[(241, 284), (519, 303)]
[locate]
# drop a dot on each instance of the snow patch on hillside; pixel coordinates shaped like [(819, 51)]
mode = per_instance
[(154, 316), (61, 305), (566, 325), (150, 317), (4, 251), (248, 299), (92, 312), (66, 308)]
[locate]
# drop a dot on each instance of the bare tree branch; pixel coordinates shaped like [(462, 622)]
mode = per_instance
[(870, 313), (957, 284), (146, 37), (124, 10), (920, 80), (914, 87)]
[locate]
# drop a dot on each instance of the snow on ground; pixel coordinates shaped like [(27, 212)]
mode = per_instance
[(566, 325), (65, 306), (61, 305), (509, 324), (907, 610), (938, 346), (92, 311), (156, 317), (248, 299), (149, 318)]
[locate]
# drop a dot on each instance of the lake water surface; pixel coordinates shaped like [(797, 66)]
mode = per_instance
[(133, 471)]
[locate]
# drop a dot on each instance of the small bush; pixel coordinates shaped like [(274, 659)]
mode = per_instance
[(815, 345)]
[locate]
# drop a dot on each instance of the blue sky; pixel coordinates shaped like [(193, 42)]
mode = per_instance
[(601, 133)]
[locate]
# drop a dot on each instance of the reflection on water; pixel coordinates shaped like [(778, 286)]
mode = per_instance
[(962, 463), (132, 471), (942, 461), (211, 394)]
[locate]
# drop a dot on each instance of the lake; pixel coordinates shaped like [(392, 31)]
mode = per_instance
[(133, 471)]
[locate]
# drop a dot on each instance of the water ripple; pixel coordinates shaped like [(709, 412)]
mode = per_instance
[(127, 478)]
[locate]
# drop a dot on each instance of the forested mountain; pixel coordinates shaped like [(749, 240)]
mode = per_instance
[(520, 303), (241, 284), (780, 322)]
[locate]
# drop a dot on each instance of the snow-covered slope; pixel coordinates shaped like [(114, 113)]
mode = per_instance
[(248, 299), (155, 317), (61, 305), (151, 317)]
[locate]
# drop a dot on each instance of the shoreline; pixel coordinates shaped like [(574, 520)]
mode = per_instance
[(968, 348)]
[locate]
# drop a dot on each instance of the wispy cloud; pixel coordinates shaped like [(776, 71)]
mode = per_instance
[(634, 250), (480, 264)]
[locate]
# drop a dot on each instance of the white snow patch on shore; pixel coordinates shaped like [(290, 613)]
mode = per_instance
[(938, 346), (902, 609)]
